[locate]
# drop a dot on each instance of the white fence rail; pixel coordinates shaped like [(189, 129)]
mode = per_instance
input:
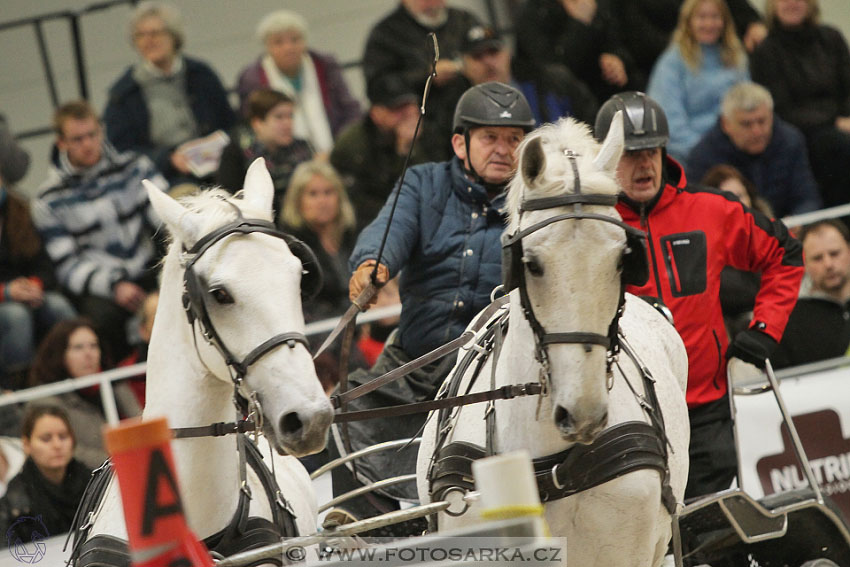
[(105, 379)]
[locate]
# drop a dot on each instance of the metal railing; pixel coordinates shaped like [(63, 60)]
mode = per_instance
[(105, 379)]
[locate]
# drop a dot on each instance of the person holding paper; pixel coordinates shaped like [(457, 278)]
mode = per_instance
[(165, 100)]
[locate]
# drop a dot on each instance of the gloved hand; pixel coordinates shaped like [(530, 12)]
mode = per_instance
[(362, 277), (752, 346)]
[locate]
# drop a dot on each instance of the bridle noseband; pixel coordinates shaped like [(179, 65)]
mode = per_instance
[(512, 248)]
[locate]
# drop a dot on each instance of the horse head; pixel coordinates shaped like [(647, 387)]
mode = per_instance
[(242, 286), (567, 250)]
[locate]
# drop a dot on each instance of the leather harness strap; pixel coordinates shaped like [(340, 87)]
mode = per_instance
[(241, 534)]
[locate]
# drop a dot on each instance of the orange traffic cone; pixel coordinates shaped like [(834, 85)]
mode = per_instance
[(153, 510)]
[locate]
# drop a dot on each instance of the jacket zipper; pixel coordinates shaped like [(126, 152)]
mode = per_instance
[(644, 223), (719, 359)]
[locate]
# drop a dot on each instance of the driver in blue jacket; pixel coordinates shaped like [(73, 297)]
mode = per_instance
[(444, 240)]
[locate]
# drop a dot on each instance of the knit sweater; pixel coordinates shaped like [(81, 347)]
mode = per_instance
[(97, 223), (691, 98)]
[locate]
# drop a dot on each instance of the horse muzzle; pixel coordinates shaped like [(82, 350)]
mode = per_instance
[(575, 431), (304, 431)]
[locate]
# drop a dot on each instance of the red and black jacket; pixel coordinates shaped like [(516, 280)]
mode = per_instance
[(691, 236)]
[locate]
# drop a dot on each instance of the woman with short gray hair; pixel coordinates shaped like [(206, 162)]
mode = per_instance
[(314, 81), (165, 99)]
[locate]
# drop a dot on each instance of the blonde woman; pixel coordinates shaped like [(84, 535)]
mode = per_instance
[(316, 209), (806, 67), (689, 80)]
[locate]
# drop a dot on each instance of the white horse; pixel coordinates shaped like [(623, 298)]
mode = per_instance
[(571, 271), (250, 286)]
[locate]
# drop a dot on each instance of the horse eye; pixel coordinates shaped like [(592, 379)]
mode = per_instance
[(221, 296), (535, 268)]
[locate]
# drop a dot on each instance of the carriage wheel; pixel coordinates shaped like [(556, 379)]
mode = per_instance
[(819, 563)]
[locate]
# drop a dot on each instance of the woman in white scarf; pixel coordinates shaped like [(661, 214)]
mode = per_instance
[(314, 81)]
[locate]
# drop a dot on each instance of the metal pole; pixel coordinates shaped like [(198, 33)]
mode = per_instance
[(45, 59), (79, 58), (792, 431)]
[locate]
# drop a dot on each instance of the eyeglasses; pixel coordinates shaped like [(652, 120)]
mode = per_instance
[(141, 34)]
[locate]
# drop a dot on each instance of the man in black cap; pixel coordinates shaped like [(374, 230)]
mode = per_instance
[(370, 153), (552, 91)]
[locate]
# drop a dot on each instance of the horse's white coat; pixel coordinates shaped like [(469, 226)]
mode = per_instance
[(621, 523), (191, 386)]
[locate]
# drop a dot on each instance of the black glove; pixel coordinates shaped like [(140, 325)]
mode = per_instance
[(752, 346)]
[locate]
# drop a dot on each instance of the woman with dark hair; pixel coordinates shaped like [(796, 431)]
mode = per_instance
[(72, 350), (738, 289), (45, 494), (729, 178), (806, 67), (268, 135)]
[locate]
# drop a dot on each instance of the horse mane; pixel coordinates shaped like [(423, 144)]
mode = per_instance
[(215, 208), (557, 178)]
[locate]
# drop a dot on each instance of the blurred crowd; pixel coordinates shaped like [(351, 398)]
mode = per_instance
[(758, 105)]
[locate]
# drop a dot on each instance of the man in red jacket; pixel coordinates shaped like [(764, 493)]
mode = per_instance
[(691, 236)]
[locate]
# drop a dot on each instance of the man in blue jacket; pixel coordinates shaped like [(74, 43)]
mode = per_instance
[(444, 240), (767, 150)]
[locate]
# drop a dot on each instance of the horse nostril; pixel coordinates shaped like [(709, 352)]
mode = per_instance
[(562, 417), (290, 423)]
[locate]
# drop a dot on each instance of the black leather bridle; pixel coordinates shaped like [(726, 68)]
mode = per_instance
[(512, 262), (194, 295)]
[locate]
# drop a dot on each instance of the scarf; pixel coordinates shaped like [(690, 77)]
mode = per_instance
[(310, 121), (56, 504)]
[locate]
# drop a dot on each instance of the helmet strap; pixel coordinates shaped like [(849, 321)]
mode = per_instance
[(492, 188)]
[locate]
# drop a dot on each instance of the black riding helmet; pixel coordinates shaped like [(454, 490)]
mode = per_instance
[(644, 121), (491, 104)]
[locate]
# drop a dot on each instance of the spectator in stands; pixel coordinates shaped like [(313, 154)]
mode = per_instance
[(29, 304), (144, 328), (97, 224), (397, 46), (313, 80), (268, 134), (806, 67), (692, 75), (166, 99), (765, 148), (645, 28), (11, 460), (72, 350), (370, 153), (819, 326), (45, 494), (316, 210), (738, 288), (552, 90), (578, 35), (14, 160)]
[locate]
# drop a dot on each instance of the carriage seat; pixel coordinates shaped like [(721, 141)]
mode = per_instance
[(789, 528)]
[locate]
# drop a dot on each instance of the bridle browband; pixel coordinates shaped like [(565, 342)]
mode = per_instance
[(514, 242)]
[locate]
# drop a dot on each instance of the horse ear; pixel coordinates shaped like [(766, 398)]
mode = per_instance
[(184, 224), (533, 162), (259, 188), (612, 148)]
